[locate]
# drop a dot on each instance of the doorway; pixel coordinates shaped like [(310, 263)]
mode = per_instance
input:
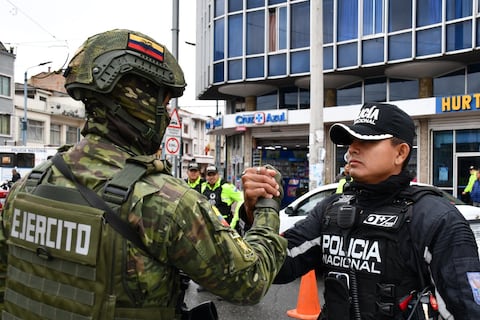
[(463, 162)]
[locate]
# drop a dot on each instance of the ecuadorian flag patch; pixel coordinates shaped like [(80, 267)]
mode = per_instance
[(146, 46)]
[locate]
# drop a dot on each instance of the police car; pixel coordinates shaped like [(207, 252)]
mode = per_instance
[(298, 209)]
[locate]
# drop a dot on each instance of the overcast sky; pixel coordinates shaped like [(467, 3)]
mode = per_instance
[(52, 30)]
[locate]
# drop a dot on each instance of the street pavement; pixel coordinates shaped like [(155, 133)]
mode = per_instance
[(273, 306)]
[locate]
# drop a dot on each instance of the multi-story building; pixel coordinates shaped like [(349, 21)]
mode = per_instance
[(262, 56), (7, 59)]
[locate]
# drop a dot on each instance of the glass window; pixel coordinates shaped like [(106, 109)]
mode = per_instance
[(478, 33), (400, 46), (450, 84), (219, 7), (255, 3), (458, 9), (55, 134), (235, 70), (473, 78), (304, 99), (288, 98), (5, 124), (235, 28), (218, 75), (219, 40), (400, 89), (255, 67), (277, 29), (72, 135), (375, 90), (300, 61), (277, 65), (399, 15), (235, 5), (5, 86), (347, 55), (429, 12), (467, 140), (372, 51), (327, 58), (255, 32), (428, 41), (350, 95), (300, 34), (459, 36), (372, 17), (327, 21), (35, 131), (270, 2), (267, 101), (347, 19), (443, 158)]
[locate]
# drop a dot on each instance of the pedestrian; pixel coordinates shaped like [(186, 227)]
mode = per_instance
[(15, 175), (475, 193), (194, 178), (471, 179), (385, 249), (69, 259), (223, 195)]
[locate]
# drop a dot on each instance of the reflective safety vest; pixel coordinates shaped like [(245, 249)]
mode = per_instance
[(65, 261)]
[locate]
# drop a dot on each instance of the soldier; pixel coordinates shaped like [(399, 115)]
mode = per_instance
[(69, 259)]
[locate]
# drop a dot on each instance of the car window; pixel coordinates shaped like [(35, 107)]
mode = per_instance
[(308, 204)]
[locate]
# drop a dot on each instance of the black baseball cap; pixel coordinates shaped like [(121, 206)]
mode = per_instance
[(375, 121), (212, 169), (193, 166)]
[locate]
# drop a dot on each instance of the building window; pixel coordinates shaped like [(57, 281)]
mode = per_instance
[(347, 20), (267, 102), (458, 9), (372, 51), (399, 15), (219, 7), (5, 86), (255, 32), (375, 90), (235, 5), (35, 131), (400, 46), (428, 41), (473, 78), (300, 61), (449, 84), (277, 65), (55, 134), (429, 12), (350, 95), (277, 29), (255, 67), (219, 41), (300, 25), (235, 69), (459, 36), (328, 15), (443, 158), (72, 135), (401, 89), (185, 128), (235, 32), (372, 17), (5, 124)]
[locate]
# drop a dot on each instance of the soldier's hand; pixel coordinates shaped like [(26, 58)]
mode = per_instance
[(261, 183)]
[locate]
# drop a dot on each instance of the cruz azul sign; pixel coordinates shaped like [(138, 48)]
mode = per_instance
[(261, 118)]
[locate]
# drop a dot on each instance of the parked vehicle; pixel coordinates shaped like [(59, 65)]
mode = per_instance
[(298, 209)]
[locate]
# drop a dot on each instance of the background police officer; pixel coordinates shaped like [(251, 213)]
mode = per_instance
[(387, 250), (126, 79), (194, 178)]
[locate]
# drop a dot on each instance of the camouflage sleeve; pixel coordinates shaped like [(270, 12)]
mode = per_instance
[(237, 269)]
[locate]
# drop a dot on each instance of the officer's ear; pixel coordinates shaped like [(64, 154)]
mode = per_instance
[(403, 151)]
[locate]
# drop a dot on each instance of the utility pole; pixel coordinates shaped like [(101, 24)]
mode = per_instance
[(316, 140), (174, 101)]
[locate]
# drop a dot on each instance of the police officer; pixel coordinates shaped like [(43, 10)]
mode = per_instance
[(194, 178), (68, 261), (386, 250), (223, 195)]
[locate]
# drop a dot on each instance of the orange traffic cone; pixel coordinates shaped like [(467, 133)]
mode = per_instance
[(308, 304)]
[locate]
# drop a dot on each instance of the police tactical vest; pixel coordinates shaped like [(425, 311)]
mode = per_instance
[(362, 248), (65, 261), (215, 198)]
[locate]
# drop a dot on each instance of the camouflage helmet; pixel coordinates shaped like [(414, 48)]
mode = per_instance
[(106, 57)]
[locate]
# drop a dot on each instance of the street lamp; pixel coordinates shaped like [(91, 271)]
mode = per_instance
[(25, 97)]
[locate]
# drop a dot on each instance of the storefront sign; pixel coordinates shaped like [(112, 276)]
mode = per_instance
[(467, 102), (214, 123), (261, 118)]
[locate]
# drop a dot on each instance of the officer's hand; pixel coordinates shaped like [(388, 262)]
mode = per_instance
[(261, 183)]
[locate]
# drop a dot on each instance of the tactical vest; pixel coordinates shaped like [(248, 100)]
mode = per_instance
[(366, 275), (215, 199), (65, 261)]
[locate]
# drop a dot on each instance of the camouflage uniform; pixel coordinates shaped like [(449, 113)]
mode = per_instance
[(176, 223)]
